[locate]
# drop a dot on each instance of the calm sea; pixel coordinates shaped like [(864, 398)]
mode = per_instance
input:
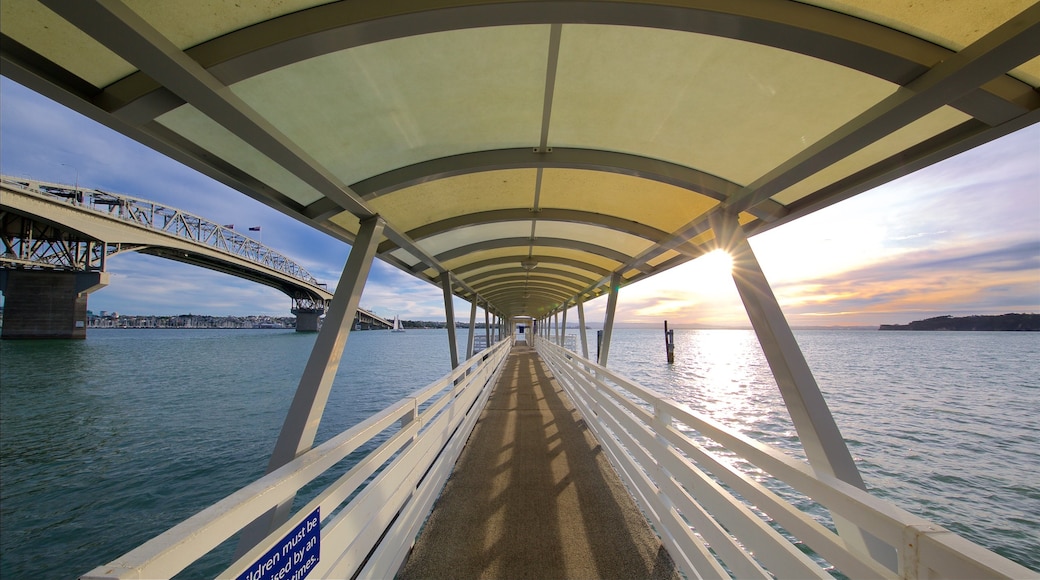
[(105, 443)]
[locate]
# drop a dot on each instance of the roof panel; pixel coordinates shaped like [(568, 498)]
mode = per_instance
[(659, 205), (190, 22), (952, 24), (390, 107), (191, 124), (440, 199), (913, 134), (474, 235), (33, 25), (608, 238), (726, 107)]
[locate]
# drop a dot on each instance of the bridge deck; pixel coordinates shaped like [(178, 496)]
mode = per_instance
[(532, 496)]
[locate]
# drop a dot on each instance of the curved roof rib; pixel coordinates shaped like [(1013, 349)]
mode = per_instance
[(591, 138)]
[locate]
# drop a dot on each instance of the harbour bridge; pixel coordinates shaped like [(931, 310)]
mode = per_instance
[(57, 240)]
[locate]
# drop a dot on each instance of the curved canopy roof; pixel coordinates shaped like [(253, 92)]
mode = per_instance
[(533, 150)]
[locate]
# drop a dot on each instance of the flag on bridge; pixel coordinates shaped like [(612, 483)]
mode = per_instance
[(254, 229), (229, 226)]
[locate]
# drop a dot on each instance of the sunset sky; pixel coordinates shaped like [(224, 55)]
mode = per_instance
[(961, 237)]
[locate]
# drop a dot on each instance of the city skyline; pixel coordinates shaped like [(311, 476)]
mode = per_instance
[(960, 237)]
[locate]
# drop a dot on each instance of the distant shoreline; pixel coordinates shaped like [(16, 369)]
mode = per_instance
[(985, 323)]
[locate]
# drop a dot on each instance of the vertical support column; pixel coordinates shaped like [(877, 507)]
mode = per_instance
[(308, 404), (487, 326), (308, 319), (472, 328), (556, 322), (581, 328), (824, 446), (47, 304), (608, 320), (449, 313), (563, 333)]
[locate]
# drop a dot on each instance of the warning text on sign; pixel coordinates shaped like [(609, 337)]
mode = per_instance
[(293, 557)]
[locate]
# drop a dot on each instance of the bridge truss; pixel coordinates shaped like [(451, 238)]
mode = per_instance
[(149, 214), (31, 243)]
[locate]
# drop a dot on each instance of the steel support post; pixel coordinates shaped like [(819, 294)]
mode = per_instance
[(487, 327), (608, 318), (563, 333), (556, 322), (581, 329), (308, 404), (472, 328), (824, 446), (449, 313)]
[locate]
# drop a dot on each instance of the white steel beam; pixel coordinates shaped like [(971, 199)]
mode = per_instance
[(824, 446), (308, 404), (581, 328), (472, 327), (487, 327), (608, 320), (449, 314), (563, 323)]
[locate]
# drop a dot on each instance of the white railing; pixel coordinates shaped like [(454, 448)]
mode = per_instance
[(688, 494), (370, 515)]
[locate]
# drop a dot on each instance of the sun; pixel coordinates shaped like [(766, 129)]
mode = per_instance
[(712, 273)]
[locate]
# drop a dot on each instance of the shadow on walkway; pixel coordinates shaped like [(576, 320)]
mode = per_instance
[(532, 496)]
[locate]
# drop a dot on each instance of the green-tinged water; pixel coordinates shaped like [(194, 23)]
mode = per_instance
[(107, 442)]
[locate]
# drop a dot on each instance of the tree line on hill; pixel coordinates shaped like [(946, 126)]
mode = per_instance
[(1008, 321)]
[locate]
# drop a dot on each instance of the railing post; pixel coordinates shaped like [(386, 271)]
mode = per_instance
[(308, 404), (824, 446), (661, 422), (608, 320)]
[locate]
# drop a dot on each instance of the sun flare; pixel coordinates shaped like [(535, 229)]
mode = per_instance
[(713, 273)]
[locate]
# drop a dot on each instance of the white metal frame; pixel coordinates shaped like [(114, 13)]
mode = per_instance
[(687, 492), (371, 514), (308, 404), (818, 432), (449, 314), (608, 318)]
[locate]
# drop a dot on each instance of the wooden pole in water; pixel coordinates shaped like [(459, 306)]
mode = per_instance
[(669, 343)]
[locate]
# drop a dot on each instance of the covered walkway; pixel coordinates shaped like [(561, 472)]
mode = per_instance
[(532, 496)]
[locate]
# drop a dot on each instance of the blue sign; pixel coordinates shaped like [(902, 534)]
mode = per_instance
[(293, 557)]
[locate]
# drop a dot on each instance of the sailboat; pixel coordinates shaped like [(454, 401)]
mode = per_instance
[(397, 324)]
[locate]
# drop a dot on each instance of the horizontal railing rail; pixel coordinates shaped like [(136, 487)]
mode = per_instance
[(370, 515), (690, 494)]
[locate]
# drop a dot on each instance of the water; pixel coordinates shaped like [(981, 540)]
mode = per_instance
[(108, 442), (943, 424)]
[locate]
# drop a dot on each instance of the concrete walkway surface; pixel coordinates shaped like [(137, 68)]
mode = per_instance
[(533, 496)]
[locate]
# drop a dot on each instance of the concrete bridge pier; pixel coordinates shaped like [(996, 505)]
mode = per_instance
[(308, 319), (47, 303)]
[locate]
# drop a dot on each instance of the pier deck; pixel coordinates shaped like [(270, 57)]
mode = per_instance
[(532, 496)]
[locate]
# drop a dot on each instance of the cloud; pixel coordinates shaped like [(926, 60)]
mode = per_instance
[(148, 285), (924, 283)]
